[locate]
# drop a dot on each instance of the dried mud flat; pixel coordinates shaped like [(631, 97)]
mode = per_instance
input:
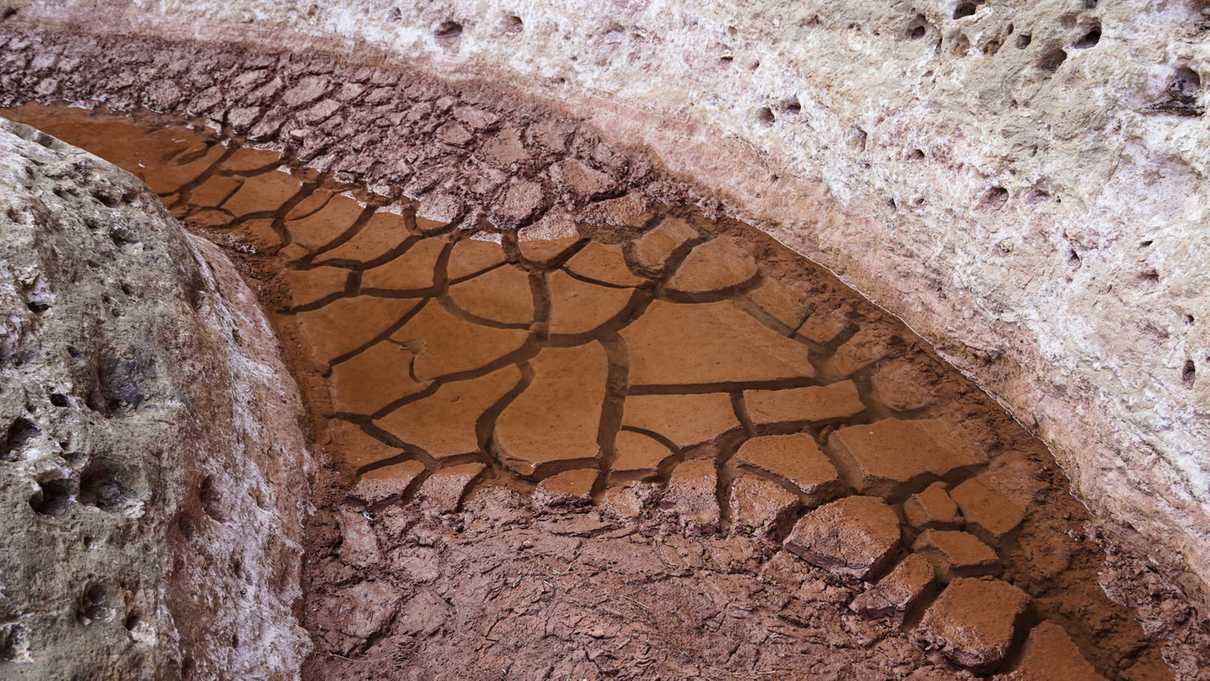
[(631, 442)]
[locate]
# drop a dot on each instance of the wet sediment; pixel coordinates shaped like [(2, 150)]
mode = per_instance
[(579, 424)]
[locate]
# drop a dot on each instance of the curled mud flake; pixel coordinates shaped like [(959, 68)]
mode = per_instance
[(892, 458), (557, 419), (779, 301), (638, 454), (383, 234), (354, 448), (682, 420), (443, 424), (473, 256), (899, 591), (712, 343), (759, 506), (932, 507), (904, 385), (567, 489), (264, 193), (322, 227), (988, 513), (1050, 653), (797, 461), (691, 497), (853, 537), (309, 287), (214, 192), (957, 554), (974, 622), (387, 483)]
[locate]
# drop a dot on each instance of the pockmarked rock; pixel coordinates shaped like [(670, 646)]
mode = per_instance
[(973, 622), (852, 537), (149, 432)]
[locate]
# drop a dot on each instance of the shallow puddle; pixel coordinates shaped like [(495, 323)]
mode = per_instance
[(662, 370)]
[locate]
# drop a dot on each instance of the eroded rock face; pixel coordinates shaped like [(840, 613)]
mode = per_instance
[(874, 119), (153, 473)]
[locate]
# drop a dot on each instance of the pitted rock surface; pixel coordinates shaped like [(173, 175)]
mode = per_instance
[(152, 470)]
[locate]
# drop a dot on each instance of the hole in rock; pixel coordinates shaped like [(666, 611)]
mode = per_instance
[(1024, 40), (58, 399), (101, 485), (1089, 39), (448, 33), (1052, 59), (965, 9), (918, 28), (791, 106), (513, 24), (916, 155), (1188, 373), (97, 603), (53, 496), (994, 199), (20, 432), (764, 115)]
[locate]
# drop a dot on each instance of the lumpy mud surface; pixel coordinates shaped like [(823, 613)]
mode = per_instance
[(665, 449)]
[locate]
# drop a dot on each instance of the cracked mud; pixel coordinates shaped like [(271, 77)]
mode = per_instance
[(632, 449)]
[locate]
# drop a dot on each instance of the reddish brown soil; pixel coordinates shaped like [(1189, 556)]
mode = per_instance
[(482, 554)]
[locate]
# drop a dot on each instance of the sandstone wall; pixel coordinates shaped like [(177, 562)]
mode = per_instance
[(1022, 182), (152, 467)]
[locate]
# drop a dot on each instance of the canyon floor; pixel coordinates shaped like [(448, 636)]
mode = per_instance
[(656, 446)]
